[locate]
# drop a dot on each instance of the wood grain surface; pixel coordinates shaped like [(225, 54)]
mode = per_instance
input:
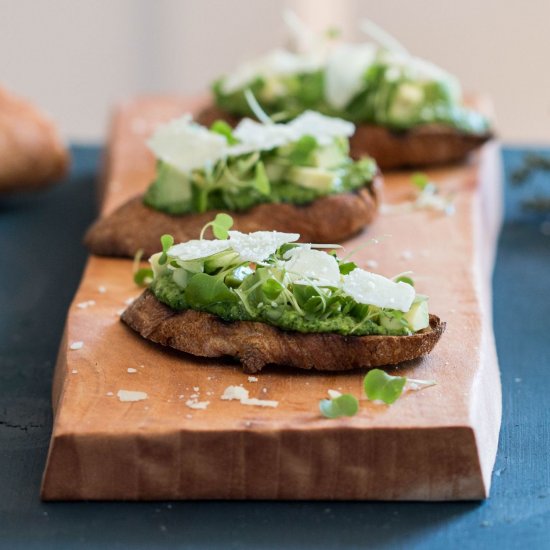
[(435, 444)]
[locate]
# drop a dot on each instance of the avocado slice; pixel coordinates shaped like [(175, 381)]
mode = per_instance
[(418, 316), (312, 178)]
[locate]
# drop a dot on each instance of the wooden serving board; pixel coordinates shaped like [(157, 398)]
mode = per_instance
[(435, 444)]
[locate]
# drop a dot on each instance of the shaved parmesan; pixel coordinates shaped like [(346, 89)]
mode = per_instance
[(258, 246), (187, 145), (345, 72), (276, 63), (195, 249), (369, 288), (319, 267), (254, 136)]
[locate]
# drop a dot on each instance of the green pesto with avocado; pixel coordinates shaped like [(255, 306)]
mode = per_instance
[(297, 173), (235, 290)]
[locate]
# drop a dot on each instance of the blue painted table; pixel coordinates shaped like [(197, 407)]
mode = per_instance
[(41, 260)]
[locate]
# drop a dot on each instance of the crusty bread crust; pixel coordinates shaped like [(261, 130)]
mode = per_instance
[(256, 344), (328, 219), (426, 145), (31, 152)]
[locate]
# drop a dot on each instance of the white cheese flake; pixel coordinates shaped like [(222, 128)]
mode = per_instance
[(187, 145), (86, 304), (345, 72), (76, 345), (252, 379), (372, 289), (101, 289), (258, 246), (131, 370), (319, 267), (241, 394), (234, 393), (74, 371), (109, 394), (333, 394), (198, 405), (130, 395), (195, 249), (276, 63)]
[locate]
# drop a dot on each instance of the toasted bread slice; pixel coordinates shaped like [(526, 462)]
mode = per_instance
[(257, 344), (329, 219), (426, 145), (31, 152)]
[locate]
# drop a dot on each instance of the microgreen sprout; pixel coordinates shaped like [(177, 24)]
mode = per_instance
[(220, 225), (261, 181), (221, 127), (404, 279), (256, 108), (421, 180), (166, 241), (142, 276), (380, 385), (339, 405)]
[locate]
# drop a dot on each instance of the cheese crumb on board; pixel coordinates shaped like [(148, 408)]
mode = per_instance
[(74, 371), (101, 289), (238, 393), (129, 395), (84, 305), (333, 394), (76, 345), (199, 405), (252, 379), (131, 370)]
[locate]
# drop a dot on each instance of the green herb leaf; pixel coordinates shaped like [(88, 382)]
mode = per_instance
[(404, 279), (204, 290), (166, 241), (220, 226), (421, 180), (143, 276), (347, 267), (261, 181), (221, 127), (333, 32), (344, 405), (272, 289), (378, 384), (301, 151)]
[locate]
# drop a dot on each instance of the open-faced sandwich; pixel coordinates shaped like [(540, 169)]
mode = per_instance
[(32, 154), (408, 111), (265, 299), (296, 177)]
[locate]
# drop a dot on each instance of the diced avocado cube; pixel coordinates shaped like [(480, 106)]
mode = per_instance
[(418, 316), (391, 323), (330, 157), (312, 178)]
